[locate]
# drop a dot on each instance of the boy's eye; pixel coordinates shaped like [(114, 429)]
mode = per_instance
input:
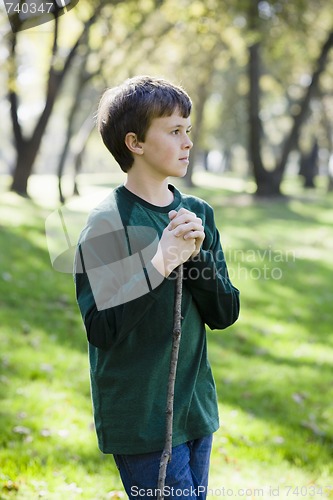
[(177, 131)]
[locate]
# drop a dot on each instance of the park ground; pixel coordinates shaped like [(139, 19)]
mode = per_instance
[(273, 368)]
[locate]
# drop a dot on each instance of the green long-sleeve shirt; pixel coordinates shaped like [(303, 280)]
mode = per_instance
[(127, 309)]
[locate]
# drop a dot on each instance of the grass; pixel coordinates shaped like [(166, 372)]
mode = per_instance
[(273, 368)]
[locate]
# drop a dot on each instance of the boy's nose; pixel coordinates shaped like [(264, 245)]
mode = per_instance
[(188, 143)]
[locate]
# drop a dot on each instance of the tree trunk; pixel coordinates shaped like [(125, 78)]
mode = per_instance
[(329, 135), (80, 144), (202, 94), (200, 107), (80, 83), (305, 104), (330, 184), (268, 183), (23, 167), (27, 148), (309, 166)]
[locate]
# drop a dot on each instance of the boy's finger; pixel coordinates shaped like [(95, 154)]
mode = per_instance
[(185, 228), (181, 212), (172, 214), (184, 211), (195, 234), (184, 219)]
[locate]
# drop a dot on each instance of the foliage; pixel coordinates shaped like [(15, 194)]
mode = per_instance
[(203, 45), (273, 368)]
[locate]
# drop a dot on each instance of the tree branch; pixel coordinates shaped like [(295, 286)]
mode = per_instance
[(12, 93), (56, 77), (167, 452), (304, 106)]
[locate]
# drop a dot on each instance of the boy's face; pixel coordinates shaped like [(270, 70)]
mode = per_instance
[(167, 146)]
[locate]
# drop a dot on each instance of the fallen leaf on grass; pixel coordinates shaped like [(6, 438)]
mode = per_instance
[(115, 494), (46, 367), (226, 457), (46, 432), (26, 328), (64, 433), (10, 486), (261, 351), (230, 460), (313, 427), (73, 487), (278, 440), (20, 429), (6, 276), (298, 398), (22, 415)]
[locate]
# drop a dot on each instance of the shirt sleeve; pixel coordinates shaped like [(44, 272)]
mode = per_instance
[(115, 286), (207, 278)]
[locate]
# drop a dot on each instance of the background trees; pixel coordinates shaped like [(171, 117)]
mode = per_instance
[(269, 182), (276, 429), (260, 74)]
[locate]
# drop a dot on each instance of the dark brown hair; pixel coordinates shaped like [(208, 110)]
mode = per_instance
[(131, 107)]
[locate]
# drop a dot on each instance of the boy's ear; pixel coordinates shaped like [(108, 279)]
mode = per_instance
[(131, 141)]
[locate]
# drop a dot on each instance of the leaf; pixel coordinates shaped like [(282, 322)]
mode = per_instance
[(46, 432), (64, 433), (74, 488), (313, 427), (6, 276), (278, 440), (46, 367), (10, 486), (115, 494), (26, 328), (20, 429), (298, 398)]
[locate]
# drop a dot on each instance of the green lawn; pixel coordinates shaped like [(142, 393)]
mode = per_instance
[(273, 368)]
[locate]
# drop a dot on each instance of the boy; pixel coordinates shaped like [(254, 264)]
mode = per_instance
[(125, 270)]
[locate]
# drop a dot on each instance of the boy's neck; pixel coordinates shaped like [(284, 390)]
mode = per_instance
[(151, 190)]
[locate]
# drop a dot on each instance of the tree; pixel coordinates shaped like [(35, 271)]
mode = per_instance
[(269, 181), (27, 147), (198, 38), (263, 25), (309, 165), (94, 63), (92, 78), (203, 90), (328, 127), (202, 46)]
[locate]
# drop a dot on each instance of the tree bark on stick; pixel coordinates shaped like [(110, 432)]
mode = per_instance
[(176, 335)]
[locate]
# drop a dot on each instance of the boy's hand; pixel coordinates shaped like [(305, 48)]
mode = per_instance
[(180, 241), (187, 225)]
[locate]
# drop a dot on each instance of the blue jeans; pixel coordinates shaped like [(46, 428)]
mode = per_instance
[(186, 477)]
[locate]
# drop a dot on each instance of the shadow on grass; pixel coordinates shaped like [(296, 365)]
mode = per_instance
[(248, 209), (252, 369), (34, 297), (275, 364), (290, 397)]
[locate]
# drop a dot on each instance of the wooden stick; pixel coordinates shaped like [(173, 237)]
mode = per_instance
[(176, 334)]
